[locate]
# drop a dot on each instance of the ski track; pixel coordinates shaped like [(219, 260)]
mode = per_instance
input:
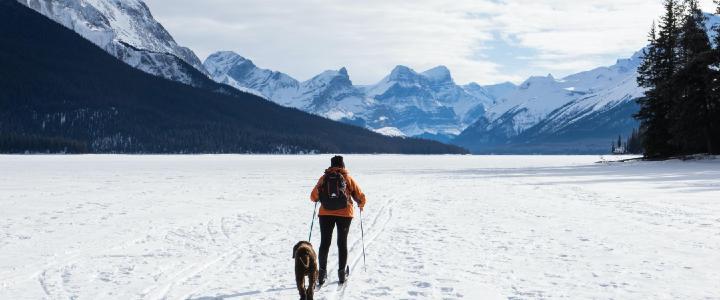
[(355, 250), (436, 227)]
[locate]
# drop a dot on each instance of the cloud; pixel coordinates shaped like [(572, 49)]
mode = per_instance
[(479, 40)]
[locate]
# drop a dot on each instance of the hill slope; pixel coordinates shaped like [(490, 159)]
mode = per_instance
[(59, 91)]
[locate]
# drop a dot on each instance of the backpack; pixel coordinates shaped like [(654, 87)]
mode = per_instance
[(333, 191)]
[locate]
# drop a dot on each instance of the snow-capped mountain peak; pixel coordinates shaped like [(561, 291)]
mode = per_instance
[(538, 80), (402, 74), (232, 69), (430, 104), (439, 74), (543, 106), (331, 94), (410, 102), (221, 62), (127, 30), (326, 83), (329, 75)]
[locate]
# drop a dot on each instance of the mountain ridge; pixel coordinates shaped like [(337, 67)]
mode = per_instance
[(404, 102), (90, 101), (127, 30), (500, 115)]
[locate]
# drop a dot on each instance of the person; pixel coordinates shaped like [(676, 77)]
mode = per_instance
[(331, 216)]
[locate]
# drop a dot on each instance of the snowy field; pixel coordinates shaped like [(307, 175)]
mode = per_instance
[(436, 227)]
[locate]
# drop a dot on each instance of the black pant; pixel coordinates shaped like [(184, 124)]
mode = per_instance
[(327, 224)]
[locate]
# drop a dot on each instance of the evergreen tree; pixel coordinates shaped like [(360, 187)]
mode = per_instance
[(714, 100), (689, 114), (660, 63), (634, 143)]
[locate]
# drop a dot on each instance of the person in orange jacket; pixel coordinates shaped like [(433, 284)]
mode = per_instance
[(332, 189)]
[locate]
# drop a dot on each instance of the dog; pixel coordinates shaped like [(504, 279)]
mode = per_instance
[(305, 265)]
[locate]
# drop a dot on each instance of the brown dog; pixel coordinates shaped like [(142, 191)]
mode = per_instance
[(305, 265)]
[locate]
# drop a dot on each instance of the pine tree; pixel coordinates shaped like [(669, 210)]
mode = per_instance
[(714, 93), (660, 63), (634, 142), (689, 115)]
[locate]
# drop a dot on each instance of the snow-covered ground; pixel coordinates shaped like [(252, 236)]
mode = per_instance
[(436, 227)]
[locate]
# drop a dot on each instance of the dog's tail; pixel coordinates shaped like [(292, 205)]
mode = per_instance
[(306, 262)]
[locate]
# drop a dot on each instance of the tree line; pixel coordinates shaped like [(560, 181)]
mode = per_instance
[(631, 145), (680, 111)]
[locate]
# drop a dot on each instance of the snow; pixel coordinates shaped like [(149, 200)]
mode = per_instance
[(114, 24), (221, 62), (232, 69), (390, 131), (500, 90), (379, 88), (439, 74), (474, 227), (418, 102), (230, 81), (561, 102), (337, 115)]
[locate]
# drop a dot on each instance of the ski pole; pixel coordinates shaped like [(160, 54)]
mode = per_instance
[(312, 222), (362, 235)]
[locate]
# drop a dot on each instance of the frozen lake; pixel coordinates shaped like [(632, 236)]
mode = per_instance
[(436, 227)]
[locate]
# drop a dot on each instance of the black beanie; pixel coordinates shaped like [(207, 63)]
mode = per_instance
[(337, 162)]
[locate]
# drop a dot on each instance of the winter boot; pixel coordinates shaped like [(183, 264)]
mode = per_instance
[(342, 274)]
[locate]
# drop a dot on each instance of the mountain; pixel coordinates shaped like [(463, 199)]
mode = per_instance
[(330, 94), (544, 114), (496, 91), (234, 70), (127, 30), (404, 103), (62, 93), (423, 103), (580, 113), (575, 114)]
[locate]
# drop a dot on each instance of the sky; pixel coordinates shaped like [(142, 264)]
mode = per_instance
[(483, 41)]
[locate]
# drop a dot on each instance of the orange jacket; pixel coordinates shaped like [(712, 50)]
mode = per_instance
[(352, 188)]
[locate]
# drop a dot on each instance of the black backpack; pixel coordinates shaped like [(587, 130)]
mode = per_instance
[(333, 191)]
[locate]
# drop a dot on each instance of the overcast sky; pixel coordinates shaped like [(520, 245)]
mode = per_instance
[(485, 41)]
